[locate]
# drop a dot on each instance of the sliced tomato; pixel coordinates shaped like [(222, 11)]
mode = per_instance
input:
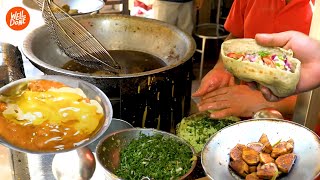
[(268, 61), (235, 55)]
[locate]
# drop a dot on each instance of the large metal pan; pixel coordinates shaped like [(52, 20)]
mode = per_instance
[(155, 98), (215, 155), (115, 32)]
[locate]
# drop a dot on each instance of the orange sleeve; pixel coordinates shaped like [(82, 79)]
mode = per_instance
[(235, 20)]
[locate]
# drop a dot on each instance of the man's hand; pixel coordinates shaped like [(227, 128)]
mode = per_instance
[(305, 49), (214, 79), (238, 100)]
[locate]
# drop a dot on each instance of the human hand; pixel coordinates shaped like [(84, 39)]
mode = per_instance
[(305, 49), (238, 100), (214, 79)]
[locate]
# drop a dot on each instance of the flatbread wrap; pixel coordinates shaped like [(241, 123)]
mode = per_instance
[(272, 67)]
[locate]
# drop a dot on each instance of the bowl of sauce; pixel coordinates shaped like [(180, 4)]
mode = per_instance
[(51, 114)]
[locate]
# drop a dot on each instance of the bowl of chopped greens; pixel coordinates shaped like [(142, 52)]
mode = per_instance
[(139, 153), (197, 129)]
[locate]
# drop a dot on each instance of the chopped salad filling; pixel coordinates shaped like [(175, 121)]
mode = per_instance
[(279, 61)]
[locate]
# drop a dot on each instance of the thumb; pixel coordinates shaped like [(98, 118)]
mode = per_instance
[(276, 39)]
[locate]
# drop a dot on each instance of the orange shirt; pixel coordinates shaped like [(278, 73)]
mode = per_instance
[(249, 17)]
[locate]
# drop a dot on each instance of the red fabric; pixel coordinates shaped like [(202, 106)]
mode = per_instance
[(249, 17)]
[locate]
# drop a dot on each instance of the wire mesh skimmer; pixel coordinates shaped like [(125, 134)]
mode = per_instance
[(75, 40)]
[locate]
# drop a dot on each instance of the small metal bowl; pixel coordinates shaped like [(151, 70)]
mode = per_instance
[(116, 125), (108, 149), (215, 154), (91, 91)]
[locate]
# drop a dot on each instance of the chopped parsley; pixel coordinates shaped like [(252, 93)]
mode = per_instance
[(156, 157), (198, 128)]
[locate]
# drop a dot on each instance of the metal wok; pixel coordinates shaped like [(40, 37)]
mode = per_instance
[(156, 98)]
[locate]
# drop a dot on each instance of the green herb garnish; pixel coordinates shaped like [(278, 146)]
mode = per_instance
[(263, 53), (156, 157), (198, 128)]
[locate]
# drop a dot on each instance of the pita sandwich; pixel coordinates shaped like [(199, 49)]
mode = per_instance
[(272, 67)]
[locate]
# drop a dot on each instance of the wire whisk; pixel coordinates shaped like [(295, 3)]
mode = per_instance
[(75, 40)]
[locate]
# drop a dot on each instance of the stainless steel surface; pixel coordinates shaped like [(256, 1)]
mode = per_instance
[(116, 125), (215, 155), (78, 164), (90, 90), (74, 40), (109, 148)]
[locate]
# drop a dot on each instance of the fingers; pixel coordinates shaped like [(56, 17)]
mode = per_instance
[(213, 80), (224, 82), (201, 90), (216, 105), (276, 39), (218, 92), (252, 85), (205, 87), (222, 113), (268, 95)]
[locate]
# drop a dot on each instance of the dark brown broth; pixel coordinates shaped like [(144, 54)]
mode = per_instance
[(130, 62)]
